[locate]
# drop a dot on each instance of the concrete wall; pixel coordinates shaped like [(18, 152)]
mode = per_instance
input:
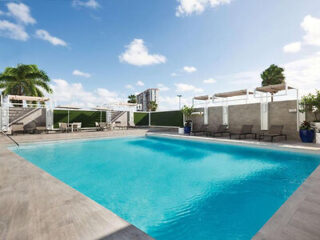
[(33, 117), (244, 114), (279, 115), (250, 114)]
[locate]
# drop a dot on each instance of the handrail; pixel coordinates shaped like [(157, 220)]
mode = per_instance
[(10, 138)]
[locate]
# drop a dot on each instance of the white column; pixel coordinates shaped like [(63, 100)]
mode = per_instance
[(225, 115), (205, 114), (49, 118), (264, 113)]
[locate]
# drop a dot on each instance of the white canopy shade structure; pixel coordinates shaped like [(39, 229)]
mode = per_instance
[(274, 88), (225, 99), (28, 98), (232, 94), (205, 99), (266, 91)]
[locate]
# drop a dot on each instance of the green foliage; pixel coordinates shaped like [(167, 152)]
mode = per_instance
[(311, 103), (24, 80), (87, 118), (170, 118), (187, 111), (132, 98), (273, 75), (305, 126), (152, 106), (141, 119)]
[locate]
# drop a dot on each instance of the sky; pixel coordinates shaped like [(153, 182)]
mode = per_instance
[(100, 51)]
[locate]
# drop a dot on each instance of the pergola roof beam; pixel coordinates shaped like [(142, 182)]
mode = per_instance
[(233, 93)]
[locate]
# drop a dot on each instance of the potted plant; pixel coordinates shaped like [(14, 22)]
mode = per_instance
[(306, 132), (311, 104), (187, 111)]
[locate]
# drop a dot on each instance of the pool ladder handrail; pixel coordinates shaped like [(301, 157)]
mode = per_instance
[(10, 138)]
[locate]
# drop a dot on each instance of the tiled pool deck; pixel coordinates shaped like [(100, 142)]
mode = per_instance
[(35, 205)]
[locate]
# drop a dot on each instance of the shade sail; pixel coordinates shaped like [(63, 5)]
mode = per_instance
[(28, 98), (233, 93), (203, 98), (274, 88), (68, 107), (102, 108)]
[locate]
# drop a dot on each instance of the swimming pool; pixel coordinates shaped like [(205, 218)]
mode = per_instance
[(177, 189)]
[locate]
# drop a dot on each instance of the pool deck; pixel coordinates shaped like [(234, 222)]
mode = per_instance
[(35, 205)]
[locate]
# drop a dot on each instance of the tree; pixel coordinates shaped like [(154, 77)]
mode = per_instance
[(311, 103), (187, 111), (132, 98), (26, 80), (273, 75), (152, 106)]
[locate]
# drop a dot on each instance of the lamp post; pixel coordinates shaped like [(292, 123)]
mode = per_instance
[(179, 96)]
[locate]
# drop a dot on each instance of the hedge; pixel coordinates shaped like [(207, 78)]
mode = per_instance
[(87, 118), (170, 118), (141, 119)]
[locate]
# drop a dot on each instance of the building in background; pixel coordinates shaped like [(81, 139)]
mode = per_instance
[(144, 98)]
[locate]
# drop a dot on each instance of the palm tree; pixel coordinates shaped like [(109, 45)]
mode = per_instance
[(152, 106), (26, 80), (132, 99), (273, 75)]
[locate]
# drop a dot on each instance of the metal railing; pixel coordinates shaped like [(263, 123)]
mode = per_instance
[(14, 141)]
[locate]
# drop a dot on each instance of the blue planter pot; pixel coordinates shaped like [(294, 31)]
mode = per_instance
[(307, 136), (187, 130)]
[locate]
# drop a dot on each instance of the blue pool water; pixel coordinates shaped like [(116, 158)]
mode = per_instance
[(175, 189)]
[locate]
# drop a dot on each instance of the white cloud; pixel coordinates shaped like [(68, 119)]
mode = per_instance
[(89, 4), (21, 12), (209, 81), (182, 87), (129, 86), (65, 93), (140, 83), (162, 87), (14, 31), (189, 69), (137, 54), (173, 74), (304, 73), (44, 35), (292, 47), (188, 7), (81, 74), (172, 102), (311, 26)]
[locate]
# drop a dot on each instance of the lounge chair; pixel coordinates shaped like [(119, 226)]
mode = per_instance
[(63, 127), (274, 131), (103, 126), (203, 129), (17, 127), (77, 126), (245, 131), (222, 129), (99, 127), (119, 125)]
